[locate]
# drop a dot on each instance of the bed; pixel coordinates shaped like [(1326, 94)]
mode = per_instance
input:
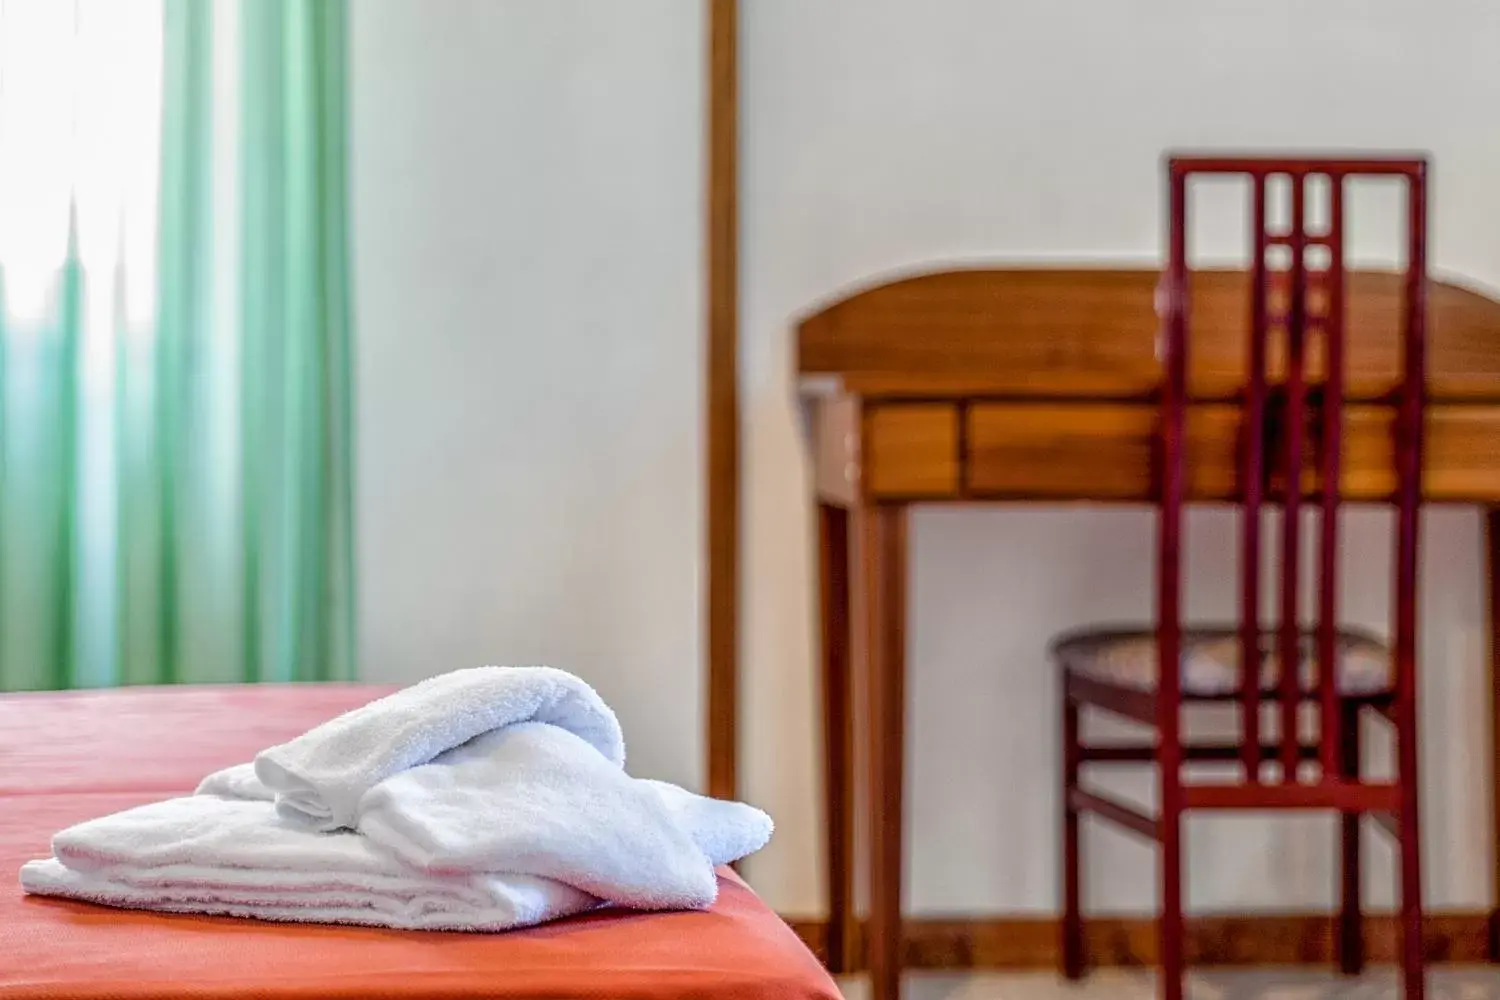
[(69, 756)]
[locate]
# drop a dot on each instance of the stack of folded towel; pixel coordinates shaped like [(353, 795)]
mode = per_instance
[(479, 800)]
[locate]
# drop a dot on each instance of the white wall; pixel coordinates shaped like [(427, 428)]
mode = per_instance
[(527, 226), (885, 134)]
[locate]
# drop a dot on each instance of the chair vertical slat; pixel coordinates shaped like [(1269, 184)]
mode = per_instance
[(1294, 422), (1169, 583), (1330, 739), (1173, 417), (1408, 496), (1409, 445), (1252, 473)]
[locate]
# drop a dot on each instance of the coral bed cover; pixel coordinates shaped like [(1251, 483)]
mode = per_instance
[(68, 757)]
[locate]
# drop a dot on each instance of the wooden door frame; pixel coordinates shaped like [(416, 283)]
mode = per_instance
[(721, 429)]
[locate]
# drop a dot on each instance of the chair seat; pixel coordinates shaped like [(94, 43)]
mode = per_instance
[(1210, 660)]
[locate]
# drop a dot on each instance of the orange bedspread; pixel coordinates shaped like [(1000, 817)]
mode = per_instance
[(69, 757)]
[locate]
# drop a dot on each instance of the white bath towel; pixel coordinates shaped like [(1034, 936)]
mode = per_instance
[(210, 854), (321, 775)]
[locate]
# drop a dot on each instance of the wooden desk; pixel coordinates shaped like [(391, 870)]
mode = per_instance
[(1038, 385)]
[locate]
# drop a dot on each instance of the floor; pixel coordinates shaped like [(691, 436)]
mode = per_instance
[(1443, 984)]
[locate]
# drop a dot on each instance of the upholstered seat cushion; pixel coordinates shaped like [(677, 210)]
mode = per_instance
[(1210, 659)]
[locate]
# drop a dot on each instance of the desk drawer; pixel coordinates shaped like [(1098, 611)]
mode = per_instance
[(912, 450), (1102, 451), (1461, 454), (1107, 452)]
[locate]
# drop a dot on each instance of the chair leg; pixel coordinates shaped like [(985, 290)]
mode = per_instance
[(1412, 961), (1072, 922), (1170, 927), (1351, 943)]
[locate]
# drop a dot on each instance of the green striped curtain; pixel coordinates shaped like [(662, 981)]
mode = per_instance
[(175, 440)]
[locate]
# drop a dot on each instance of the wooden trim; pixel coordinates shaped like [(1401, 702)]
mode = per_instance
[(722, 465), (1113, 942), (1492, 580)]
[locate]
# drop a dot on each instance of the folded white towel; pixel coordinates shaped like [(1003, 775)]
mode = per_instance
[(321, 775), (535, 799), (371, 909), (210, 854)]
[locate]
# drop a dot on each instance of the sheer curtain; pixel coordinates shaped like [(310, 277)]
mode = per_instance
[(174, 342)]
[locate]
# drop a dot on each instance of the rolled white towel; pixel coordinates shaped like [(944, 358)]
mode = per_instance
[(237, 782), (321, 775)]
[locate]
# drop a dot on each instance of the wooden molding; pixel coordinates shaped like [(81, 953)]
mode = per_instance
[(1492, 580), (722, 461), (1114, 942)]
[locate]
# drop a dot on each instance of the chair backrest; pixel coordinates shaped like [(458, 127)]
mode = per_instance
[(1291, 437)]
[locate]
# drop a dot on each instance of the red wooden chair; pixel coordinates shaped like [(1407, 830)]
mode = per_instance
[(1150, 676)]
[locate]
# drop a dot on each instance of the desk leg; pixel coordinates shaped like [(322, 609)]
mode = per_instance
[(838, 748), (883, 577), (1492, 572)]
